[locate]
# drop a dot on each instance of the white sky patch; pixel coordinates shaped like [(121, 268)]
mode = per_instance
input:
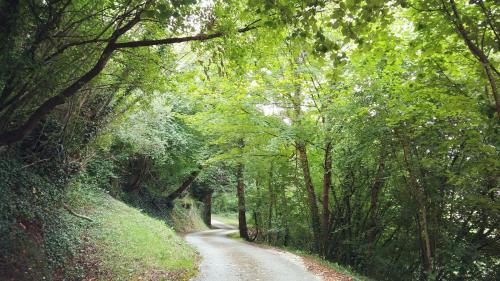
[(266, 71), (195, 21), (307, 104), (403, 28), (321, 80), (270, 109), (274, 110), (348, 47)]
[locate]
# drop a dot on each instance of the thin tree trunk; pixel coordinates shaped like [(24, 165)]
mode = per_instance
[(422, 214), (378, 183), (257, 213), (272, 202), (347, 223), (494, 88), (240, 189), (375, 190), (327, 181), (311, 194), (304, 163)]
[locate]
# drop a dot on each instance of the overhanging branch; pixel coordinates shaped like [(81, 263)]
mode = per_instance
[(46, 107), (173, 40)]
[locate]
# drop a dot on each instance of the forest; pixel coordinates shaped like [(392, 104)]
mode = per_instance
[(364, 133)]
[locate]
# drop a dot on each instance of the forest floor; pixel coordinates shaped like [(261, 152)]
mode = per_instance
[(224, 258)]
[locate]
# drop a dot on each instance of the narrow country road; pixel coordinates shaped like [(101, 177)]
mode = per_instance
[(226, 259)]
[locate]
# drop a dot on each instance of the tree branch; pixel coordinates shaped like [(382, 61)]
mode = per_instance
[(45, 108), (76, 214), (173, 40), (183, 187)]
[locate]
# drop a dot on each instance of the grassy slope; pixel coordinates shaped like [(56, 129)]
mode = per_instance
[(232, 219), (186, 220), (122, 243)]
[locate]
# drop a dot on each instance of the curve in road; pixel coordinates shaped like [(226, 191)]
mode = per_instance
[(226, 259)]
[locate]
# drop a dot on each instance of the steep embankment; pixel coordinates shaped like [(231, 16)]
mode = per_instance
[(123, 243), (40, 239)]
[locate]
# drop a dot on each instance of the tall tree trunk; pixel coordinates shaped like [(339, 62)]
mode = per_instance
[(257, 212), (300, 145), (327, 182), (347, 223), (240, 189), (423, 226), (311, 194), (207, 214), (378, 183), (272, 202)]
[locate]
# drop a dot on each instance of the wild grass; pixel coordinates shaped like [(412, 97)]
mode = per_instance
[(129, 244)]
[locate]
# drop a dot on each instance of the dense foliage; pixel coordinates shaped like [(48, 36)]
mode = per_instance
[(363, 131)]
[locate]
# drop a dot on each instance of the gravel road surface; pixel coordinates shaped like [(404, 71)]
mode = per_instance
[(226, 259)]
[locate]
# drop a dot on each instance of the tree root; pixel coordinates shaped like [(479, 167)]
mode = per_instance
[(76, 214)]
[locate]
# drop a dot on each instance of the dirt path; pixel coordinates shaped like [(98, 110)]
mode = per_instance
[(232, 260)]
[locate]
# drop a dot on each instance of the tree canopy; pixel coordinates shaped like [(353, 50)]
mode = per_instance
[(363, 131)]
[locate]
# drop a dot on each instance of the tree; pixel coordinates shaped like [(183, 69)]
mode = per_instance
[(242, 220), (474, 23), (362, 131), (18, 93)]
